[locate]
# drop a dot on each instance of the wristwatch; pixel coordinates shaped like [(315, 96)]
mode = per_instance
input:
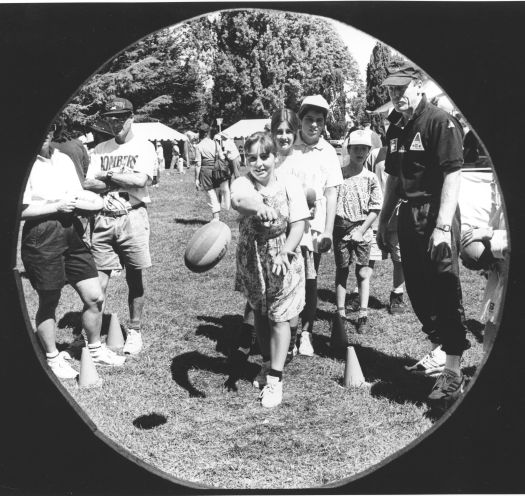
[(444, 227)]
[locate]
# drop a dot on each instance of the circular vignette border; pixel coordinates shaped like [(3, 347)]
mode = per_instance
[(49, 51)]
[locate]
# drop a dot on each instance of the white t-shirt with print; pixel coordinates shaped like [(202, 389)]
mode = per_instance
[(51, 179), (317, 167), (135, 155)]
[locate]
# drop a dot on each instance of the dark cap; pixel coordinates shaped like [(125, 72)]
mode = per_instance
[(401, 75), (118, 106)]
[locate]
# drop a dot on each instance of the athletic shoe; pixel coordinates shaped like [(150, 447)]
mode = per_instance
[(431, 365), (306, 348), (104, 356), (60, 367), (448, 387), (260, 380), (362, 325), (133, 343), (272, 393), (354, 302), (397, 306)]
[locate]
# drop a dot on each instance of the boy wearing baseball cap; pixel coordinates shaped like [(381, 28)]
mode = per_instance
[(359, 201)]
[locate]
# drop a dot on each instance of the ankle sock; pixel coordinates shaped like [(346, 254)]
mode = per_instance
[(52, 355), (246, 351), (276, 373), (95, 347), (363, 312)]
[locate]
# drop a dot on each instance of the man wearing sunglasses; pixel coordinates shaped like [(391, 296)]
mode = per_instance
[(121, 170)]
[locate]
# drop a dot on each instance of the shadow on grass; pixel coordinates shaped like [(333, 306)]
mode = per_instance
[(149, 421), (328, 296), (182, 364), (74, 320), (225, 331), (476, 328), (193, 222)]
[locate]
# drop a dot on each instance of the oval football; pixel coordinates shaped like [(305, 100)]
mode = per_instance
[(207, 246)]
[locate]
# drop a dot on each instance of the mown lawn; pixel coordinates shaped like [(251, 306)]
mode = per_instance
[(169, 406)]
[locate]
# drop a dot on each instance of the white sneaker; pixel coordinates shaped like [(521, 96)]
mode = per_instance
[(272, 393), (133, 343), (104, 356), (306, 348), (431, 365), (260, 380), (60, 367)]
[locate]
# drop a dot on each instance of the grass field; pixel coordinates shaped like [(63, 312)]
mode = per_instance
[(169, 405)]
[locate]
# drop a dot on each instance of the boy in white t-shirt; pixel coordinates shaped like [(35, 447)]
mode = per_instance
[(120, 170)]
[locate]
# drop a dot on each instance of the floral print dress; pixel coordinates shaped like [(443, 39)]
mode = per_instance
[(281, 297)]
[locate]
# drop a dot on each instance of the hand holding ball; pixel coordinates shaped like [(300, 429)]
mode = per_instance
[(207, 246)]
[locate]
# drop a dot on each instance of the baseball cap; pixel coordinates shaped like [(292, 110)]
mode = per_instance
[(314, 101), (118, 106), (401, 75), (360, 137)]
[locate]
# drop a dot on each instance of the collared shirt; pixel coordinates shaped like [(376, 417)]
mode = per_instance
[(423, 150), (51, 179)]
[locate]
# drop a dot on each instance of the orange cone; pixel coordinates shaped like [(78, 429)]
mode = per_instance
[(115, 339), (88, 376), (353, 373)]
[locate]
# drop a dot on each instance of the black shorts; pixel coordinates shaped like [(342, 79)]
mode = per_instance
[(53, 253), (211, 178)]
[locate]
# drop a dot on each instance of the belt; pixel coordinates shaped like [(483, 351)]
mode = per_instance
[(120, 213)]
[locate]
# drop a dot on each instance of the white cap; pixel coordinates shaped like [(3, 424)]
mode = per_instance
[(360, 137), (314, 101)]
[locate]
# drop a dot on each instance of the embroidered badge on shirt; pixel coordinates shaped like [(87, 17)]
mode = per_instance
[(393, 145), (417, 144)]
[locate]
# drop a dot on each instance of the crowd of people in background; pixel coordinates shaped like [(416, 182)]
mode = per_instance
[(393, 194)]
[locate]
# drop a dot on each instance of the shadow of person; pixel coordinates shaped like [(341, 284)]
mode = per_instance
[(390, 378), (225, 331), (476, 329), (194, 360), (73, 320)]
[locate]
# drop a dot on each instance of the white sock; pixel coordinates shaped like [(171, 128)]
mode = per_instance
[(246, 351), (52, 355), (94, 347), (398, 291)]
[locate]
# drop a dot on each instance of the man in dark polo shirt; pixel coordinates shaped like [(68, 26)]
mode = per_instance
[(424, 159)]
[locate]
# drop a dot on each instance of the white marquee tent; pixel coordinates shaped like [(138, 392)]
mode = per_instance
[(150, 131), (157, 131), (245, 127)]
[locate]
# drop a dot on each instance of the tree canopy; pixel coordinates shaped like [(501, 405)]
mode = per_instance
[(235, 65)]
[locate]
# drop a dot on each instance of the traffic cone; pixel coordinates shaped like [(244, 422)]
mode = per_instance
[(88, 376), (353, 373), (338, 338), (115, 338)]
